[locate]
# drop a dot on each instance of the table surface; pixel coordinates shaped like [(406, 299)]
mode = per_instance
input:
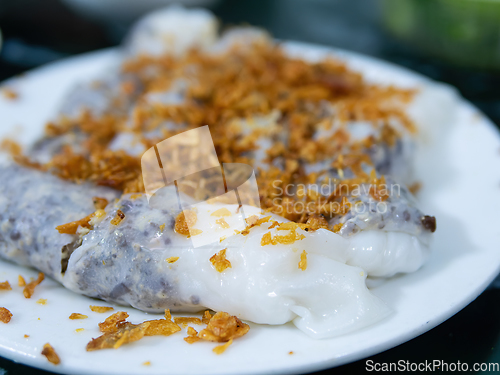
[(50, 31)]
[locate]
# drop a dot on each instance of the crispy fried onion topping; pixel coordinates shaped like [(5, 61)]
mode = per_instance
[(223, 327), (5, 285), (29, 289), (49, 352), (5, 315), (117, 331)]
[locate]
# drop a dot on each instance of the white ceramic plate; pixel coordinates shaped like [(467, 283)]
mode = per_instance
[(461, 177)]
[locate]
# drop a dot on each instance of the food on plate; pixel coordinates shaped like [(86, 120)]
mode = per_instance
[(184, 321), (332, 154), (32, 205), (29, 289), (49, 352), (221, 327), (5, 315), (192, 336), (10, 93), (127, 264), (75, 316), (222, 348), (117, 331), (101, 309)]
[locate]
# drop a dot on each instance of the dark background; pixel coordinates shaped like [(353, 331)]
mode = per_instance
[(36, 32)]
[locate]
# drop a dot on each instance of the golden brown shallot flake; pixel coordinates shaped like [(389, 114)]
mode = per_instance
[(184, 221), (11, 147), (21, 281), (124, 334), (112, 321), (221, 212), (49, 352), (167, 314), (26, 336), (337, 227), (291, 226), (194, 232), (100, 203), (303, 261), (117, 331), (5, 285), (42, 301), (192, 336), (223, 327), (75, 316), (254, 221), (100, 309), (219, 261), (29, 289), (5, 315), (172, 259), (147, 363), (415, 187), (274, 225), (78, 330), (163, 327), (72, 227), (223, 223), (219, 349), (266, 239), (316, 222), (118, 217), (288, 239), (206, 317), (186, 320)]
